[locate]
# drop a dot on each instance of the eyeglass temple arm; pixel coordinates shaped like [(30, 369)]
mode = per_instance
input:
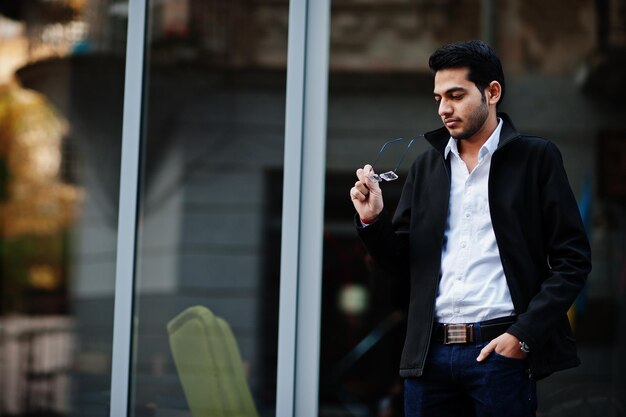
[(382, 148), (406, 151)]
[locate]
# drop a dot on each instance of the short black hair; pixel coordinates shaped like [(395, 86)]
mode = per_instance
[(482, 61)]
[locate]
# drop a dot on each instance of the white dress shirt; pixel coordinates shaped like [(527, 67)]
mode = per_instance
[(473, 287)]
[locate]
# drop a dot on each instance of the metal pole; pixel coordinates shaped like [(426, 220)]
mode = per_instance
[(127, 220)]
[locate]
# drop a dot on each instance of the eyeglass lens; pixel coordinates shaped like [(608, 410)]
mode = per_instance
[(390, 175)]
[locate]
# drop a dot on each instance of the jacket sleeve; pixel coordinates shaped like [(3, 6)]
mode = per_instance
[(568, 254)]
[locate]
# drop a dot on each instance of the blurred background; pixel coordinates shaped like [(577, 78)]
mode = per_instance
[(209, 223)]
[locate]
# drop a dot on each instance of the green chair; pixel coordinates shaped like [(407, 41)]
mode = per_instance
[(209, 365)]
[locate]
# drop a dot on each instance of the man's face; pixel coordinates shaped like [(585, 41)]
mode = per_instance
[(462, 107)]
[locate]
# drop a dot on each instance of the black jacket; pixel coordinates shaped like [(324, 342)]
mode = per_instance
[(543, 245)]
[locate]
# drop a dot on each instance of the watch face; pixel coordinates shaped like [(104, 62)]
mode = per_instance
[(524, 347)]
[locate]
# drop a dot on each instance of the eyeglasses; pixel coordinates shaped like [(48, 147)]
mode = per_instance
[(390, 175)]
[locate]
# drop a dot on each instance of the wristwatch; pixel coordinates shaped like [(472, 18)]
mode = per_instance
[(525, 348)]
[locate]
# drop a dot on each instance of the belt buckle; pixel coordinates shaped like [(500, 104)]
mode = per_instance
[(458, 333)]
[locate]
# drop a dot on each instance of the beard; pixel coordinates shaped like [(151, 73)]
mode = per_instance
[(474, 122)]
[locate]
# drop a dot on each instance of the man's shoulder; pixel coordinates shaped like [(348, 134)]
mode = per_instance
[(533, 140), (530, 142)]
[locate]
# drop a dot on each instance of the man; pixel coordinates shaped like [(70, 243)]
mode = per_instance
[(488, 233)]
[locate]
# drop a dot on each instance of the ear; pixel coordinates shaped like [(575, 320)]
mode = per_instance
[(494, 92)]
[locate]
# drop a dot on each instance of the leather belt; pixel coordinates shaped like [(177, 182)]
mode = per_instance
[(464, 333)]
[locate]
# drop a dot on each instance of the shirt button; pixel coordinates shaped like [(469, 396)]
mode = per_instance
[(463, 244), (457, 310), (467, 215)]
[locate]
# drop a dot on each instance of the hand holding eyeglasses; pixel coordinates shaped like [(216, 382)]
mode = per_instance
[(366, 195)]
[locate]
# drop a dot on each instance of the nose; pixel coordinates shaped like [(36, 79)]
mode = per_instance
[(444, 108)]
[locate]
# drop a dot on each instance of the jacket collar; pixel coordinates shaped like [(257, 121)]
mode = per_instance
[(439, 138)]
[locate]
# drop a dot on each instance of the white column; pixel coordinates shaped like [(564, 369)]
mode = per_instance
[(127, 220), (303, 209)]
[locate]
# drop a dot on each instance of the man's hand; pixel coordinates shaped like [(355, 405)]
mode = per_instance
[(506, 345), (366, 195)]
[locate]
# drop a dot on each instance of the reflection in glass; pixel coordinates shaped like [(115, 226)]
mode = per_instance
[(209, 364), (60, 129), (210, 209)]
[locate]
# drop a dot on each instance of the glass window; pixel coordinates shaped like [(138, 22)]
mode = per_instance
[(61, 91), (206, 301), (562, 63)]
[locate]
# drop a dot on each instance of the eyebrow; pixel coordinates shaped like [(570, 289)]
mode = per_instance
[(451, 90)]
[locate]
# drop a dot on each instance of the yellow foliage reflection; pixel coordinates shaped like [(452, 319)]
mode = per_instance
[(34, 201), (43, 277)]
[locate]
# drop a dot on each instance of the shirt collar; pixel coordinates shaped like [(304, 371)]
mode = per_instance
[(489, 146)]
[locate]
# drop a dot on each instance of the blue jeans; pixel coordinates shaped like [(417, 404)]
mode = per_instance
[(455, 385)]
